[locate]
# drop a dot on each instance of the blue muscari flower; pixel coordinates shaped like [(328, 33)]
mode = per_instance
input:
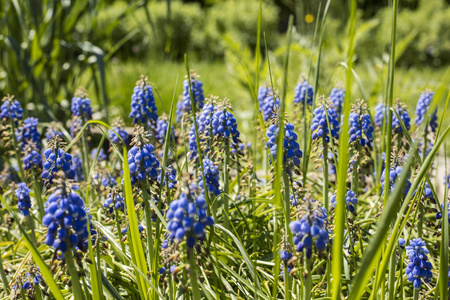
[(143, 105), (23, 196), (140, 228), (32, 159), (439, 214), (66, 220), (188, 218), (114, 200), (52, 132), (350, 199), (161, 130), (75, 127), (170, 175), (422, 107), (291, 151), (11, 110), (143, 163), (337, 98), (28, 132), (381, 114), (361, 129), (394, 174), (121, 132), (57, 160), (320, 128), (402, 243), (81, 107), (101, 155), (203, 125), (224, 125), (310, 230), (212, 177), (184, 106), (106, 180), (77, 166), (267, 105), (303, 91), (418, 267)]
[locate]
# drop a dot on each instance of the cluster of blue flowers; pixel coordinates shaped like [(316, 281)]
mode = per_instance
[(394, 173), (291, 151), (32, 278), (53, 132), (203, 125), (143, 105), (77, 167), (171, 177), (381, 114), (418, 267), (114, 201), (188, 218), (57, 160), (422, 107), (285, 256), (337, 98), (267, 104), (121, 132), (32, 159), (361, 129), (310, 230), (304, 93), (106, 180), (350, 199), (184, 106), (439, 214), (161, 131), (11, 110), (101, 154), (23, 196), (66, 220), (81, 107), (224, 125), (212, 177), (321, 128), (143, 163), (28, 133)]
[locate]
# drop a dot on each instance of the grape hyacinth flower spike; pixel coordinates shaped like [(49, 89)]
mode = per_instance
[(23, 196), (310, 228), (419, 268), (188, 219), (56, 159), (118, 126), (28, 132), (361, 129), (142, 161), (267, 104), (350, 199), (291, 148), (184, 105), (337, 99), (304, 93), (10, 110), (423, 105), (143, 105)]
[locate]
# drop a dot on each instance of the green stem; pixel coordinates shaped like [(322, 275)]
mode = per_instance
[(392, 269), (325, 174), (148, 221), (85, 155), (287, 220), (76, 287), (416, 293), (119, 231), (33, 234), (307, 280), (37, 193), (17, 152), (3, 275), (193, 274), (226, 186)]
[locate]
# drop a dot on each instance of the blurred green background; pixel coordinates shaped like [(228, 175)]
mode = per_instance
[(49, 48)]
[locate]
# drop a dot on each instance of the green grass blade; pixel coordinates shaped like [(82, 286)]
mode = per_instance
[(136, 248), (443, 264), (340, 218), (36, 257)]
